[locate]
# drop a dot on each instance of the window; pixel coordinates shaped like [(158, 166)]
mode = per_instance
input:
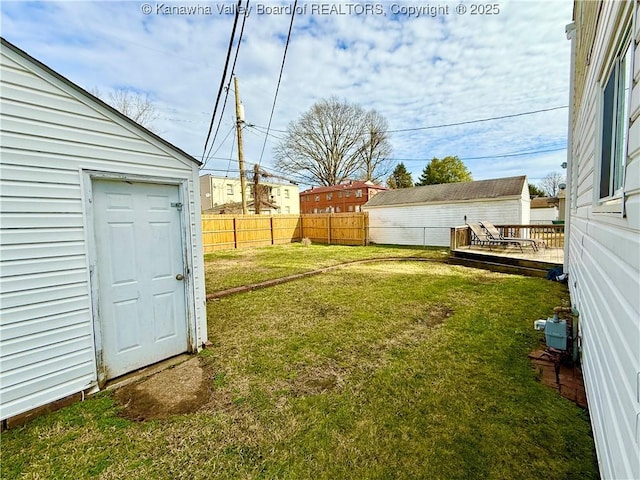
[(615, 123), (329, 196), (347, 193), (286, 192), (359, 193), (317, 198), (277, 191), (287, 209), (229, 188), (351, 208), (337, 209), (339, 194)]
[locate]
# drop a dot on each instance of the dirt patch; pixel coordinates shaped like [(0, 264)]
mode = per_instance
[(317, 380), (184, 388), (434, 315)]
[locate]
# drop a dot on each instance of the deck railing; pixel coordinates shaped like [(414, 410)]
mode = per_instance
[(551, 235)]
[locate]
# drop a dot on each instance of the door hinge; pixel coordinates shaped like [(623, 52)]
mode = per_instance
[(178, 205)]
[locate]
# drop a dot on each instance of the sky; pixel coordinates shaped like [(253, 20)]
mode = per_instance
[(422, 65)]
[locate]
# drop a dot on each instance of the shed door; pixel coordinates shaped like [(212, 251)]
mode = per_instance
[(141, 304)]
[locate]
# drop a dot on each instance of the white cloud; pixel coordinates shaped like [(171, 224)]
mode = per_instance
[(415, 71)]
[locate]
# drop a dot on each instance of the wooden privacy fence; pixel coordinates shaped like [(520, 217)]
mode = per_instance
[(336, 228), (225, 232)]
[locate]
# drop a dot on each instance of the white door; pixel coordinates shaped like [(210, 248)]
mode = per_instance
[(141, 292)]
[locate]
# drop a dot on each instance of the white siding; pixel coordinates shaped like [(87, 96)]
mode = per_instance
[(430, 224), (604, 267), (543, 215), (49, 134)]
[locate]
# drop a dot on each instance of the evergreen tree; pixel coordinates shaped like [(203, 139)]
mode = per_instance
[(535, 191), (400, 178)]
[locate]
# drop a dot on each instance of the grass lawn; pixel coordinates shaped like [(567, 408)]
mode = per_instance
[(393, 370), (233, 268)]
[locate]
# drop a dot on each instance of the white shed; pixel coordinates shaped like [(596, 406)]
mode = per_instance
[(101, 253), (425, 215), (602, 223)]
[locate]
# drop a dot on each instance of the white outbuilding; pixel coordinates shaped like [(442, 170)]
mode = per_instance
[(101, 267), (425, 215)]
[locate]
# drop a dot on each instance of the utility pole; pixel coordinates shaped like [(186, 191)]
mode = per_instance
[(239, 123)]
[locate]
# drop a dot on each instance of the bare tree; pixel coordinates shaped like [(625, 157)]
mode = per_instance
[(334, 141), (550, 184), (376, 149), (138, 107)]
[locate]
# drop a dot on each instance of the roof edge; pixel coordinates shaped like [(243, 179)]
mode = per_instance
[(6, 43), (446, 202)]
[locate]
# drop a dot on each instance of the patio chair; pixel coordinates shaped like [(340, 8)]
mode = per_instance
[(494, 233), (479, 235)]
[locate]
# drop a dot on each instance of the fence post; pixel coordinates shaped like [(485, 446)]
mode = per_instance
[(364, 229), (235, 234), (329, 231), (271, 225), (301, 219)]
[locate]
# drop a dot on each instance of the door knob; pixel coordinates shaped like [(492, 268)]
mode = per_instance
[(179, 277)]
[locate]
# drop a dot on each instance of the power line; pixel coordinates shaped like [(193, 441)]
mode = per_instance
[(520, 154), (488, 157), (210, 155), (263, 131), (233, 69), (443, 125), (275, 97), (233, 144), (503, 155), (477, 121), (224, 76)]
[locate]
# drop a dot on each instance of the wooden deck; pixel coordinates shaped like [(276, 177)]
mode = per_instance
[(509, 259)]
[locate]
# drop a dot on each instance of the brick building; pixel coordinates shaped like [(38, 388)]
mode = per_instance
[(343, 198)]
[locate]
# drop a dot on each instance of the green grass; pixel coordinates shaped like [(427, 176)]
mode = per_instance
[(233, 268), (383, 370)]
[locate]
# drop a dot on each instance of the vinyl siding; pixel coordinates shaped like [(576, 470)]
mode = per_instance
[(543, 215), (50, 133), (604, 251), (430, 224)]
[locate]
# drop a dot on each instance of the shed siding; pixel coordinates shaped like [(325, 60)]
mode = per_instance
[(50, 133), (430, 224), (543, 215), (604, 250)]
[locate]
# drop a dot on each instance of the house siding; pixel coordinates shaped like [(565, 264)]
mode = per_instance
[(430, 224), (49, 135), (604, 248)]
